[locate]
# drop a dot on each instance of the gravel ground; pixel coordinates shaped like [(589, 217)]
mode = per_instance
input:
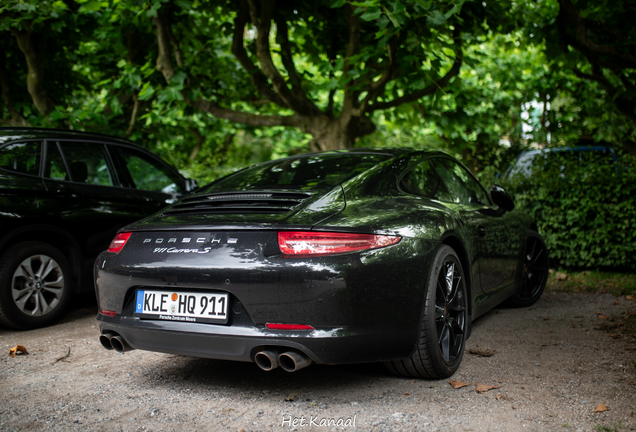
[(552, 366)]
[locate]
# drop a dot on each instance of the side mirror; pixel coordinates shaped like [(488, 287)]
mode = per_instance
[(502, 198), (191, 185)]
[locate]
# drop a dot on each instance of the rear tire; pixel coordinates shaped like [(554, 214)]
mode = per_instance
[(35, 285), (536, 265), (440, 349)]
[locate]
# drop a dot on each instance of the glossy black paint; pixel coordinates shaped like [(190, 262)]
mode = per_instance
[(78, 218), (364, 306)]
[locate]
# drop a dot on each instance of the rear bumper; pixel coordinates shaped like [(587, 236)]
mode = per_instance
[(335, 346)]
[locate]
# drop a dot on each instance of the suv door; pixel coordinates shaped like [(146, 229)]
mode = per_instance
[(80, 179), (155, 182)]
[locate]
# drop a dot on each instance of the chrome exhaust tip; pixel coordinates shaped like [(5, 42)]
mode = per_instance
[(266, 360), (292, 361), (104, 339), (119, 345)]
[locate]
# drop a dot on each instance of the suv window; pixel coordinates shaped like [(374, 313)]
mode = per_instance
[(149, 174), (21, 157), (87, 163), (55, 168)]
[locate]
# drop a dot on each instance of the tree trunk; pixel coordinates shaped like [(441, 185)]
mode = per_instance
[(16, 118), (336, 134), (35, 76)]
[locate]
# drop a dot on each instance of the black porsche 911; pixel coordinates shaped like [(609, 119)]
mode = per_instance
[(363, 255)]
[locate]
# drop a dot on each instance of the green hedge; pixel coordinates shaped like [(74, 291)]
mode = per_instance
[(585, 209)]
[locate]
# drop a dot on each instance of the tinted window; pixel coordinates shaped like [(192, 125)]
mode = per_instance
[(463, 188), (22, 158), (55, 168), (423, 180), (87, 163), (149, 174), (304, 173)]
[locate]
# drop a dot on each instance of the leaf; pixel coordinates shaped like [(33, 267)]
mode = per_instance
[(481, 388), (481, 352), (372, 15), (436, 19), (601, 408), (458, 384), (17, 349), (291, 397)]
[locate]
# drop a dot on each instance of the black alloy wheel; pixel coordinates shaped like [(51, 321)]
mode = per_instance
[(443, 334), (34, 285), (535, 272)]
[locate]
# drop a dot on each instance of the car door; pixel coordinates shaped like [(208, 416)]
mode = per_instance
[(495, 235), (87, 193), (155, 183)]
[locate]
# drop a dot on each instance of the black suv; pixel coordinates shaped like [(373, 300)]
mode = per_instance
[(63, 196)]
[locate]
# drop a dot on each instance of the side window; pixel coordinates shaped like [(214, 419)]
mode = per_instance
[(423, 180), (148, 174), (87, 163), (21, 157), (55, 168), (464, 189)]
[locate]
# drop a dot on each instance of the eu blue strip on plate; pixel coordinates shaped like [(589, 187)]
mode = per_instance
[(139, 308)]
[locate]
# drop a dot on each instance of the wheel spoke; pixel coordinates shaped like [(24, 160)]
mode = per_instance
[(531, 254), (536, 257), (439, 312), (450, 271), (44, 306), (444, 342), (25, 270), (45, 270)]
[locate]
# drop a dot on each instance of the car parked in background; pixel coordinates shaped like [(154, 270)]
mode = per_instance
[(63, 196), (525, 163)]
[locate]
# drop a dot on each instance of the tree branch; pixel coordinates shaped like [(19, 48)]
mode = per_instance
[(377, 87), (431, 88), (264, 55), (282, 36), (353, 46), (164, 58), (569, 16), (133, 117), (245, 118), (238, 50), (623, 105)]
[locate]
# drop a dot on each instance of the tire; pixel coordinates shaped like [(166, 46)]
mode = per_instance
[(440, 348), (536, 265), (35, 285)]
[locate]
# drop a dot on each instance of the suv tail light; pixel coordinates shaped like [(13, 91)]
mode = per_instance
[(118, 242), (325, 243)]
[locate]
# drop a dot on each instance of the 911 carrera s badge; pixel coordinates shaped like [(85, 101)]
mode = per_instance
[(182, 251)]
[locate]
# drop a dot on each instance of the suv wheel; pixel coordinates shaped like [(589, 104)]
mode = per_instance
[(34, 285)]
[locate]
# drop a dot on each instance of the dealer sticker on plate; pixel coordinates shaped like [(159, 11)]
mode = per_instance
[(182, 306)]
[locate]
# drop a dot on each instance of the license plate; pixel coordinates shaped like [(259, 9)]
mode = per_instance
[(182, 306)]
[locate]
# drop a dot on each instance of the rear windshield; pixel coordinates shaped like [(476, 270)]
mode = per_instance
[(309, 173)]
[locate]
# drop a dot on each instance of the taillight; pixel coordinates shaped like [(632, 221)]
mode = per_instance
[(324, 243), (118, 242)]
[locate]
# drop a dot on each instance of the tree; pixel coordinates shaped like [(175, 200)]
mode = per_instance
[(323, 67)]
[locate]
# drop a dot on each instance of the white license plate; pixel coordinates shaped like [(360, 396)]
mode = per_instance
[(182, 306)]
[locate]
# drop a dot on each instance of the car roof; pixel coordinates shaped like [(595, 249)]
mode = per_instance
[(18, 133)]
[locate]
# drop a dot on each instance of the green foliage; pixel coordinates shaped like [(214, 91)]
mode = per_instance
[(585, 209)]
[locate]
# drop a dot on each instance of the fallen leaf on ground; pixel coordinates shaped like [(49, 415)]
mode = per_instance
[(458, 384), (481, 388), (548, 331), (630, 297), (481, 352), (546, 319), (406, 394), (561, 276), (499, 397), (290, 397), (602, 317), (17, 349), (617, 303), (601, 408)]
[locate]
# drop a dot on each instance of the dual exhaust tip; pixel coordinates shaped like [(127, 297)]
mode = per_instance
[(113, 341), (289, 361)]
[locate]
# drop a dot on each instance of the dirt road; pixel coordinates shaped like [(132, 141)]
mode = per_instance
[(552, 367)]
